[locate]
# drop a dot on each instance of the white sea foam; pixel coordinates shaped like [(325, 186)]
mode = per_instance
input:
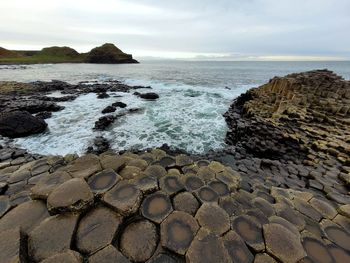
[(185, 117)]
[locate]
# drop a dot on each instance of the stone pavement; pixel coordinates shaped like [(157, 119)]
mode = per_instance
[(154, 207)]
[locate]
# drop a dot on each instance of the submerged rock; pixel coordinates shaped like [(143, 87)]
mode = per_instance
[(148, 96), (20, 124)]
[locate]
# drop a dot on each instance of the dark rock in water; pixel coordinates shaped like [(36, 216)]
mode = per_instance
[(109, 109), (61, 99), (33, 104), (102, 95), (20, 123), (108, 54), (135, 110), (101, 145), (149, 96), (104, 122), (137, 93), (119, 104), (44, 115)]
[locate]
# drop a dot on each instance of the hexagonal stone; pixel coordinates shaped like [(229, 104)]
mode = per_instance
[(316, 250), (264, 206), (236, 248), (338, 235), (155, 171), (139, 240), (345, 178), (142, 164), (306, 209), (27, 216), (68, 256), (130, 172), (103, 181), (213, 218), (186, 202), (12, 246), (207, 247), (54, 235), (177, 231), (193, 183), (258, 216), (174, 171), (183, 160), (73, 195), (344, 210), (342, 221), (231, 206), (158, 153), (207, 195), (325, 208), (84, 166), (4, 205), (19, 175), (162, 258), (97, 229), (339, 255), (114, 162), (156, 207), (206, 174), (283, 244), (264, 258), (108, 255), (171, 184), (216, 166), (47, 184), (219, 187), (190, 169), (229, 177), (285, 223), (124, 197), (39, 169), (20, 198), (147, 184), (283, 210), (167, 161), (339, 198), (250, 231)]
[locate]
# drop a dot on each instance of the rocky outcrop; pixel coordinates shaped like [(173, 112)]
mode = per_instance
[(299, 117), (148, 96), (20, 123), (108, 54)]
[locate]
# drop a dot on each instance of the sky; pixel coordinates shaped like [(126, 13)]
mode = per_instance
[(184, 29)]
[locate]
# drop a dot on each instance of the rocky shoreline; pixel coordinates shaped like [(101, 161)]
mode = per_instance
[(279, 192)]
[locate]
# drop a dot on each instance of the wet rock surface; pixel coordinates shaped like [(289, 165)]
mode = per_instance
[(279, 193), (20, 124)]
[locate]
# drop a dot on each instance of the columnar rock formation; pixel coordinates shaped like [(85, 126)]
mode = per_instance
[(299, 117)]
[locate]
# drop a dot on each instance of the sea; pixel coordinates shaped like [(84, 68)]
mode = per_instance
[(188, 116)]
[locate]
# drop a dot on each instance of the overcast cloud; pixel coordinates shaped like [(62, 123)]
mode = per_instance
[(229, 29)]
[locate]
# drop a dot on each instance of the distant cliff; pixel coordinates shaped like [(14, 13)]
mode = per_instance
[(107, 53)]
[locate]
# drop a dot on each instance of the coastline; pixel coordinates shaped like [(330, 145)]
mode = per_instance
[(284, 179)]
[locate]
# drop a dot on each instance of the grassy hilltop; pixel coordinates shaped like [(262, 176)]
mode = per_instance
[(107, 53)]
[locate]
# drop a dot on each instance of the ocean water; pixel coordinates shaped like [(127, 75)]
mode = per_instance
[(188, 115)]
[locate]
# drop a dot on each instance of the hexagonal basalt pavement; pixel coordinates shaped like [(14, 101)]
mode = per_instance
[(174, 209)]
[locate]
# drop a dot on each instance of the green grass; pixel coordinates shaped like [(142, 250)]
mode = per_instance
[(42, 59)]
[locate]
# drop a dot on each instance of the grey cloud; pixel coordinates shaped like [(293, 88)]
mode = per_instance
[(245, 27)]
